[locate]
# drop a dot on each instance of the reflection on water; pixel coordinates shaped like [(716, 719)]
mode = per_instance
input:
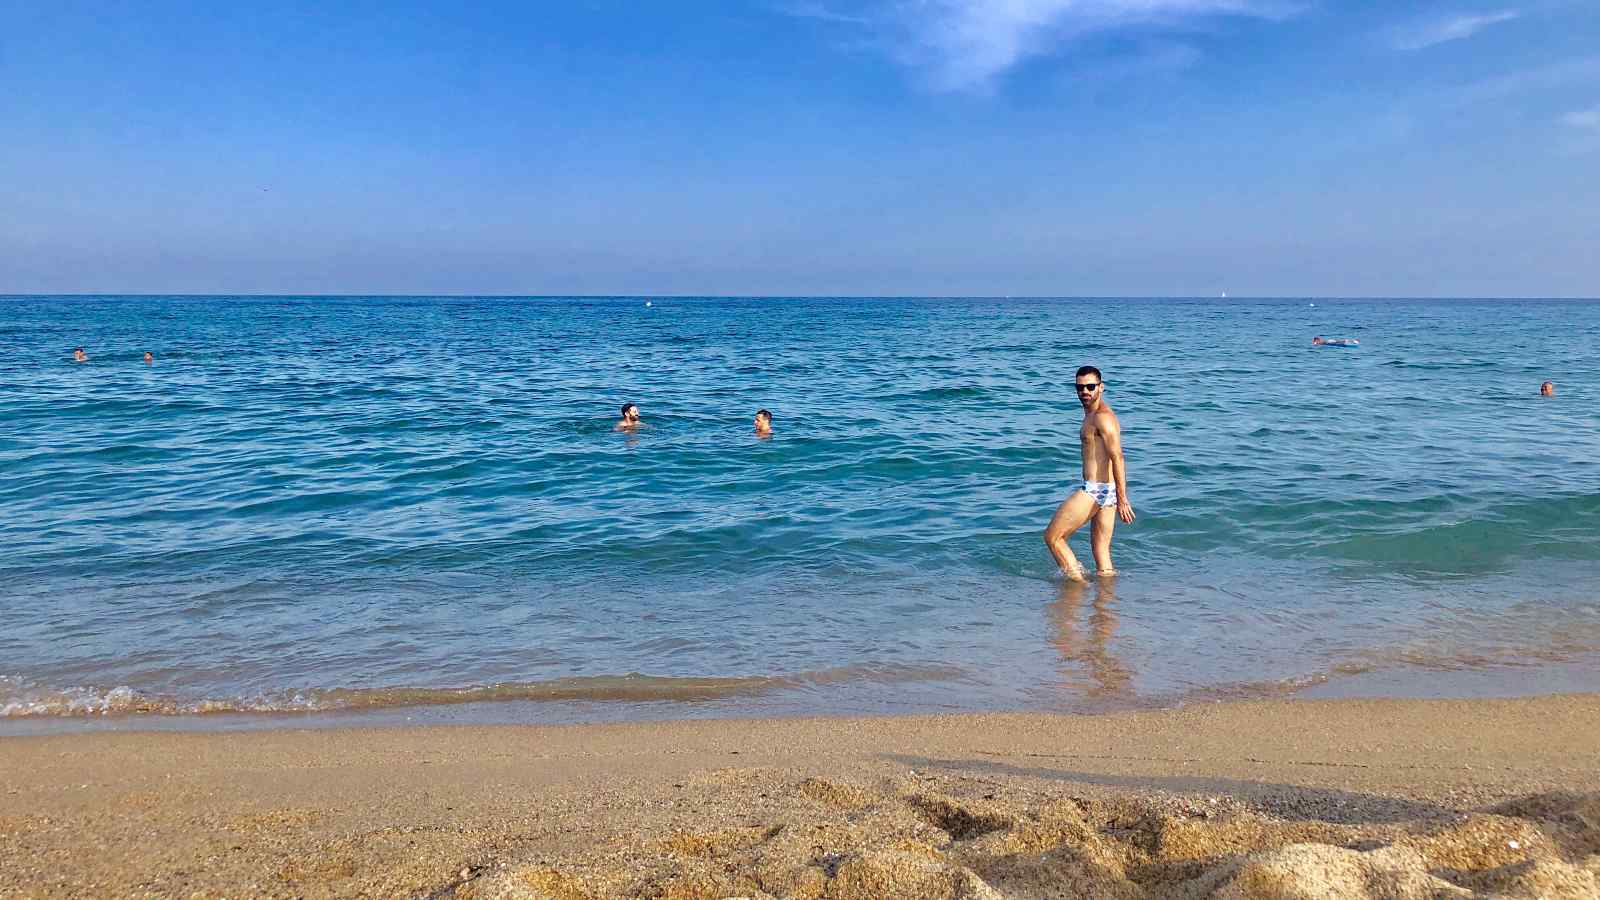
[(1088, 651)]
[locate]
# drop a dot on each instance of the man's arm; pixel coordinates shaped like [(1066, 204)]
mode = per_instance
[(1111, 433)]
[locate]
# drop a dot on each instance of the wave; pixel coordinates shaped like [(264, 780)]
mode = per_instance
[(20, 700), (1445, 532), (1480, 539), (1529, 654)]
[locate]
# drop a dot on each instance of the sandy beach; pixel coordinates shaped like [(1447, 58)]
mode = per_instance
[(1348, 798)]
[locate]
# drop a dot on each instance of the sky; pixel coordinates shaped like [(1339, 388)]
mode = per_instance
[(802, 147)]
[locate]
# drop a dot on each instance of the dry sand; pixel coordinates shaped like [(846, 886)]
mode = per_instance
[(1297, 799)]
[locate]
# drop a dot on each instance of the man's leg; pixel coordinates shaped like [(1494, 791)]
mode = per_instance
[(1105, 519), (1069, 517)]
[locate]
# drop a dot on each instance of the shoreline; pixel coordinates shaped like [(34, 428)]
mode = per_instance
[(817, 806), (629, 701)]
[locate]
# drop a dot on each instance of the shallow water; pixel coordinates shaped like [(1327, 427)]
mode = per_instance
[(361, 503)]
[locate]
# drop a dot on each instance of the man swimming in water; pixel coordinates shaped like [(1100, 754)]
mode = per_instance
[(630, 418), (1104, 496), (78, 355), (1548, 389), (763, 423)]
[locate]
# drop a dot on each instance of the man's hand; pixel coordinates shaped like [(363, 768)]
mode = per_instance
[(1124, 511)]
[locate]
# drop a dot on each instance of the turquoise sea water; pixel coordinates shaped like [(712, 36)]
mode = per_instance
[(420, 504)]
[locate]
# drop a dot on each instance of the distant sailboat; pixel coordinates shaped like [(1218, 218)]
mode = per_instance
[(1224, 295)]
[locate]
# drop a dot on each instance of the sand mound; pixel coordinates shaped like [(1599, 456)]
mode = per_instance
[(1573, 820), (930, 837), (893, 875), (1321, 872), (961, 821), (835, 794)]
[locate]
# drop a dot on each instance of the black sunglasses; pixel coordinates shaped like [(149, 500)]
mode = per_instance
[(1088, 387)]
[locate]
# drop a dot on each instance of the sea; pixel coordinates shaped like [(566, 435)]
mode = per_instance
[(335, 510)]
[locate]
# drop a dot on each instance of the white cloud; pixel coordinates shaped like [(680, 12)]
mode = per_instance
[(1550, 76), (1421, 35), (1585, 119), (968, 45), (1148, 60), (807, 9)]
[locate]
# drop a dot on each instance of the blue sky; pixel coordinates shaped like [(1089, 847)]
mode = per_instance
[(1055, 147)]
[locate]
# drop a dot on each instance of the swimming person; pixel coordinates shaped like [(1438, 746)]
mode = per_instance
[(1104, 495), (763, 423), (149, 358), (78, 355), (1548, 389), (630, 418), (1320, 341)]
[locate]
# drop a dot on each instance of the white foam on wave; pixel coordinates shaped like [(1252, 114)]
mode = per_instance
[(17, 701), (20, 700)]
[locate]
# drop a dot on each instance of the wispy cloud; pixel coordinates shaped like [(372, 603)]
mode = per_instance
[(1585, 119), (807, 9), (968, 45), (1583, 138), (1421, 35), (1153, 59), (1550, 76)]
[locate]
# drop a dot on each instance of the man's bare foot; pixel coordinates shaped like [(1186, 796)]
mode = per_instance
[(1073, 573)]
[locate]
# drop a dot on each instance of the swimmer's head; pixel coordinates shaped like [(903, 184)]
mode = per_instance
[(630, 413), (1317, 341), (78, 354), (1548, 389), (763, 422), (149, 357)]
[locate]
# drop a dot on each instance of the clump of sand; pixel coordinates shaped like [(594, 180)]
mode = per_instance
[(928, 838)]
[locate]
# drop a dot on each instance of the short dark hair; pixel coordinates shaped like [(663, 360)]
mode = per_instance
[(77, 349), (764, 412), (1088, 370), (628, 406)]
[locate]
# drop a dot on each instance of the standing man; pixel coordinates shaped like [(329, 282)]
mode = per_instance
[(1104, 495)]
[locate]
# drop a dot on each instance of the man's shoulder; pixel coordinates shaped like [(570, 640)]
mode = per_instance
[(1104, 418)]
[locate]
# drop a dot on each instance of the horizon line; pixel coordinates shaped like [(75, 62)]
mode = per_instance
[(633, 296)]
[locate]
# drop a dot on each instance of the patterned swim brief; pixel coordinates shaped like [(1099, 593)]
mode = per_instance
[(1104, 493)]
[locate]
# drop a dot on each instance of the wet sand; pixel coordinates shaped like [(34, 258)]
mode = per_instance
[(1347, 798)]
